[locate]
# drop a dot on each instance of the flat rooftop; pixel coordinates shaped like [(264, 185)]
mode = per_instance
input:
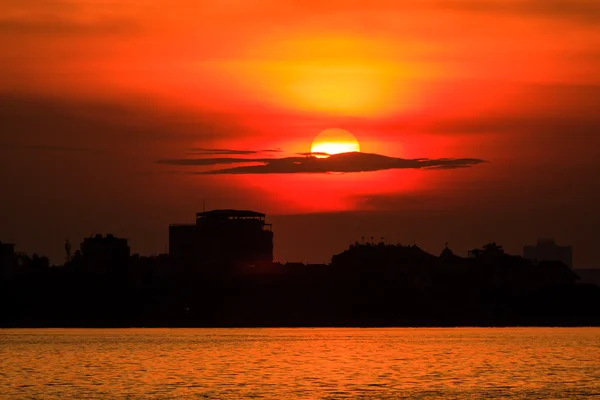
[(230, 214)]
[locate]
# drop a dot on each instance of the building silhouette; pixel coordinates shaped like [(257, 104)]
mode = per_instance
[(215, 277), (548, 250), (7, 258), (104, 252), (222, 238)]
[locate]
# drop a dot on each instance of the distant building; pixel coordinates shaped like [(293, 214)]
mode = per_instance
[(7, 252), (7, 258), (369, 255), (105, 252), (489, 251), (548, 250), (222, 237), (589, 275)]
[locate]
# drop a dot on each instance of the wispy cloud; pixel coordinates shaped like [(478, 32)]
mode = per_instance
[(587, 11), (338, 163), (63, 148), (41, 147), (204, 151), (63, 26), (581, 10)]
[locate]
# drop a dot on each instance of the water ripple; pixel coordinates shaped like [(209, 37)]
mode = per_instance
[(300, 363)]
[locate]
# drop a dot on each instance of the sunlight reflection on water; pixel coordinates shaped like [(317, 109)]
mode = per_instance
[(527, 363)]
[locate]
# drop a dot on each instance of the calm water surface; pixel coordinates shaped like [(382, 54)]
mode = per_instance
[(528, 363)]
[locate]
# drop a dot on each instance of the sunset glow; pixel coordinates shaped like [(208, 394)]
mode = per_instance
[(334, 141), (115, 91), (299, 198)]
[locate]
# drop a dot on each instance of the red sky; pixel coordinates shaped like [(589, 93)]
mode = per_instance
[(93, 93)]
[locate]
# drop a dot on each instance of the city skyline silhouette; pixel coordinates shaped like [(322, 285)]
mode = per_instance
[(220, 271)]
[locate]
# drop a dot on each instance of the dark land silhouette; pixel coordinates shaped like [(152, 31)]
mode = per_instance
[(220, 273)]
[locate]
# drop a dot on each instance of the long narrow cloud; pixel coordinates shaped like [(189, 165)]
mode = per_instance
[(63, 148), (57, 26), (204, 151), (12, 145), (580, 10), (341, 163)]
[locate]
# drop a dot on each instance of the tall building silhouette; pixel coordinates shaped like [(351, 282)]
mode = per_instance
[(105, 252), (222, 237), (548, 250)]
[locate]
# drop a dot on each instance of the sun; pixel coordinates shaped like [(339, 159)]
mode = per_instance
[(334, 141)]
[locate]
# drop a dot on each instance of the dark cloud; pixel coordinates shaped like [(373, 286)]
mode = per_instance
[(586, 11), (61, 18), (546, 110), (9, 145), (400, 201), (338, 163), (203, 151), (213, 161), (581, 10), (44, 4), (62, 26), (63, 148), (541, 128), (104, 124)]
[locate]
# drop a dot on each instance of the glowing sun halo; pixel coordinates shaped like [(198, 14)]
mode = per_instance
[(334, 141)]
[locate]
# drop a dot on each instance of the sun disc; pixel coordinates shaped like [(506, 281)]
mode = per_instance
[(334, 141)]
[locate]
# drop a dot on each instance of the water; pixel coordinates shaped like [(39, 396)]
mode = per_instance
[(470, 363)]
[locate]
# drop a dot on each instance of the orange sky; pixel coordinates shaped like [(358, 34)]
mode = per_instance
[(94, 92)]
